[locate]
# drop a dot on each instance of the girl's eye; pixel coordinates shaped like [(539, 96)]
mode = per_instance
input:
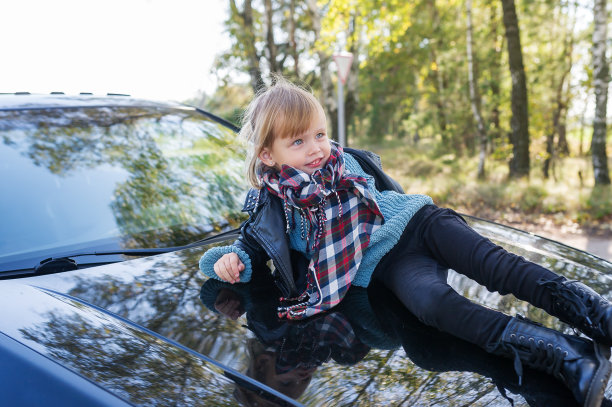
[(297, 142), (320, 135)]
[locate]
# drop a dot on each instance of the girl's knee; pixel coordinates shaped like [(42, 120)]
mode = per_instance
[(429, 302)]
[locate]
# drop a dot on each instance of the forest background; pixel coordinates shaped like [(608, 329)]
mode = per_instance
[(495, 108)]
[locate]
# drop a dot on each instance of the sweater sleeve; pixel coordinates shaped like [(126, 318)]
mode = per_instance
[(212, 255)]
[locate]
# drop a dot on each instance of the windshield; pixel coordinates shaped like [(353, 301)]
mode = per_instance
[(113, 177)]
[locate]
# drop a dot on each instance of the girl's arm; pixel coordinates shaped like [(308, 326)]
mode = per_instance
[(219, 254), (249, 253)]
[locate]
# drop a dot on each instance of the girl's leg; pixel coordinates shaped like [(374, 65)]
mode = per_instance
[(419, 282), (446, 237)]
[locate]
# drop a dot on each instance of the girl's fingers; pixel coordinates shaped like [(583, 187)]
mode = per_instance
[(222, 271), (235, 265), (232, 265), (228, 268), (217, 268)]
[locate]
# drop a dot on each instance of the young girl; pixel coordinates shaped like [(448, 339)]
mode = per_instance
[(330, 218)]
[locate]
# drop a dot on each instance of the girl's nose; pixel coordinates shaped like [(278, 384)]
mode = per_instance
[(313, 148)]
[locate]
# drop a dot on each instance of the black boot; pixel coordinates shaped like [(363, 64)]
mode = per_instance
[(576, 304), (579, 363)]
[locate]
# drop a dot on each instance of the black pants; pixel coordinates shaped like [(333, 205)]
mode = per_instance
[(437, 239)]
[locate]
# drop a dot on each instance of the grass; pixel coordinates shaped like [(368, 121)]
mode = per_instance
[(569, 196)]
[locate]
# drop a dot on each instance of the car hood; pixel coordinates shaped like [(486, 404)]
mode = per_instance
[(148, 331)]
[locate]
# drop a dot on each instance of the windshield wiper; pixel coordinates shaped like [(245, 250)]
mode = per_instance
[(67, 263)]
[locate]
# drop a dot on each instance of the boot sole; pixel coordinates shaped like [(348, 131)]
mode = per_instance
[(598, 385)]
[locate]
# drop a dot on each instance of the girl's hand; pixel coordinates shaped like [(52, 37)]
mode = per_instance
[(228, 268), (229, 304)]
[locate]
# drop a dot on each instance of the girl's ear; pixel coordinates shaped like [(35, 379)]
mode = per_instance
[(266, 157)]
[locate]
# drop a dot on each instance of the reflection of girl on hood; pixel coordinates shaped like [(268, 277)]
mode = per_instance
[(285, 354)]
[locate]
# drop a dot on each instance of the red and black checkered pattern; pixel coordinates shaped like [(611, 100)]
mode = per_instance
[(338, 214)]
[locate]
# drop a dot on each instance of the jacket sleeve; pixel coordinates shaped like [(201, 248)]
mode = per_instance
[(211, 288)]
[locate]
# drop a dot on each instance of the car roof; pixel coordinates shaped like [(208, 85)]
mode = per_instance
[(26, 100), (59, 100)]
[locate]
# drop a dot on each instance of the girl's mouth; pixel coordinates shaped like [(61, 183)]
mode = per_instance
[(314, 163)]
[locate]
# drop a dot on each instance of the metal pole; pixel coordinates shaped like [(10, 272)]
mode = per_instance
[(341, 137)]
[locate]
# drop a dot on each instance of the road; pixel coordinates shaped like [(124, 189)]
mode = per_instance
[(600, 246)]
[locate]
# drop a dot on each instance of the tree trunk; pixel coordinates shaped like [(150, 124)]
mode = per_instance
[(270, 44), (583, 124), (560, 103), (600, 77), (247, 38), (475, 94), (558, 129), (563, 98), (436, 76), (292, 41), (328, 100), (439, 98), (519, 164), (494, 84), (416, 136), (351, 90)]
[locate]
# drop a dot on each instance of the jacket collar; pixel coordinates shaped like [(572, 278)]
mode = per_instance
[(254, 199)]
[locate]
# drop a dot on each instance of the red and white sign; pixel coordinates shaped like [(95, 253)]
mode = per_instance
[(343, 62)]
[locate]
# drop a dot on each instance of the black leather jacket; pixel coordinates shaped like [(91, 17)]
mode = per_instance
[(263, 235)]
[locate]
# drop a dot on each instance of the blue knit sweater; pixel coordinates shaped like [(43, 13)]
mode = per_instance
[(397, 210)]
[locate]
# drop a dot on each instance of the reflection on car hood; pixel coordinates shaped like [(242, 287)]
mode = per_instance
[(117, 326), (148, 331)]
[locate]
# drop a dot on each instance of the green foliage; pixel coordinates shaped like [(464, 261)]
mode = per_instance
[(229, 102), (412, 81), (599, 203), (450, 181)]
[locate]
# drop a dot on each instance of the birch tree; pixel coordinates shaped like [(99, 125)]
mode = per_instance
[(327, 87), (246, 38), (563, 27), (475, 94), (600, 78)]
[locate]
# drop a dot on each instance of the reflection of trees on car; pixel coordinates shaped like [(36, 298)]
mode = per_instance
[(161, 294), (122, 359), (191, 181), (572, 264), (162, 299), (180, 174), (70, 139)]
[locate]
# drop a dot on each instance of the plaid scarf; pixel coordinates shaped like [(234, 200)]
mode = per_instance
[(314, 343), (337, 216)]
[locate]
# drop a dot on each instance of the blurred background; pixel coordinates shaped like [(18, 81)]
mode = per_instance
[(495, 108)]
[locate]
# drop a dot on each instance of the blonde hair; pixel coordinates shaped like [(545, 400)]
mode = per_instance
[(247, 397), (283, 110)]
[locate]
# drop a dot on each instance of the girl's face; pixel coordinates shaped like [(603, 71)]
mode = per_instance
[(306, 152), (292, 383)]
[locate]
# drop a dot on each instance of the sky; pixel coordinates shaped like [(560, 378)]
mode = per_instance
[(159, 49)]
